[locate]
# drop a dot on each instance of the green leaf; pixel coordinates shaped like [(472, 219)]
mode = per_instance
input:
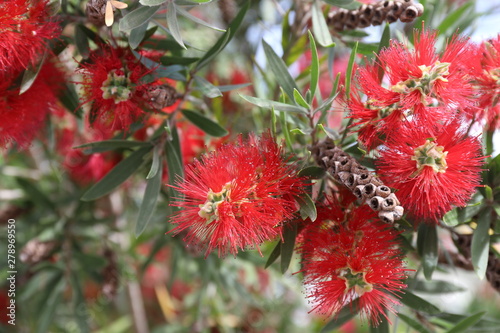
[(414, 302), (152, 2), (314, 65), (30, 75), (343, 316), (488, 193), (414, 323), (100, 146), (312, 171), (427, 246), (196, 1), (348, 73), (288, 245), (172, 23), (117, 175), (319, 27), (436, 287), (90, 260), (193, 18), (481, 243), (299, 99), (285, 130), (205, 124), (155, 165), (48, 310), (166, 60), (464, 324), (307, 207), (137, 35), (150, 199), (230, 87), (268, 104), (174, 159), (278, 67), (451, 18), (137, 17), (206, 87), (81, 41), (225, 38), (274, 255)]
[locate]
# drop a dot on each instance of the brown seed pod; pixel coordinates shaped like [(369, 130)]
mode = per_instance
[(96, 12), (161, 96), (364, 185)]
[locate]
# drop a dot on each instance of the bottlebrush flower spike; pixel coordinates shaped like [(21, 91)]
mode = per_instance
[(432, 171), (487, 82), (352, 258), (112, 83), (420, 85), (25, 27), (23, 116), (238, 196)]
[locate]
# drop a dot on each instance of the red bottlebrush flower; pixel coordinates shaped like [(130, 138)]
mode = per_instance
[(431, 171), (420, 85), (112, 82), (487, 82), (24, 29), (23, 116), (237, 196), (349, 257)]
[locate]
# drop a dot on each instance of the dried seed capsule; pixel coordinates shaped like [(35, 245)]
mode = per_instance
[(391, 17), (375, 203), (378, 16), (352, 20), (390, 203), (420, 9), (397, 8), (398, 212), (409, 14), (161, 96), (352, 180), (358, 191), (364, 178), (386, 216), (344, 177), (383, 191), (369, 191)]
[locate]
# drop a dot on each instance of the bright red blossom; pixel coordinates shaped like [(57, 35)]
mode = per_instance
[(23, 116), (487, 82), (24, 29), (432, 171), (237, 196), (348, 256), (112, 82), (420, 85)]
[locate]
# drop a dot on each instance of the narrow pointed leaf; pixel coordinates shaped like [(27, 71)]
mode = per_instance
[(314, 65), (137, 35), (436, 287), (81, 41), (288, 245), (207, 88), (319, 26), (413, 323), (428, 248), (466, 323), (137, 17), (205, 124), (193, 18), (152, 2), (349, 70), (307, 207), (30, 75), (150, 199), (155, 165), (299, 99), (481, 243), (312, 172), (280, 70), (413, 301), (117, 175), (268, 104), (274, 255), (100, 146), (173, 25), (384, 42)]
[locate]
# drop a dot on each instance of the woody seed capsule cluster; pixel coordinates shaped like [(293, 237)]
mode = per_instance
[(376, 14), (364, 184)]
